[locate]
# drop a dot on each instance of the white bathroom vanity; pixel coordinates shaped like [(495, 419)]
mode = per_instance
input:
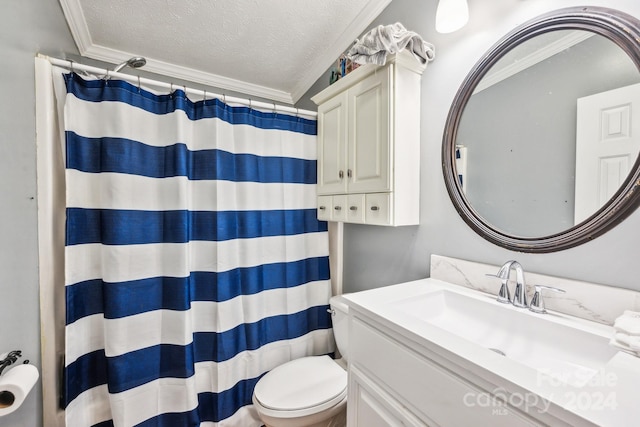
[(433, 353)]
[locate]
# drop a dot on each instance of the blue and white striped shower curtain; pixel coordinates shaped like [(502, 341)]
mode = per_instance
[(194, 262)]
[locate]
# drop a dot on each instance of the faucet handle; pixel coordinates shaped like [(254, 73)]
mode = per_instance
[(504, 295), (537, 303)]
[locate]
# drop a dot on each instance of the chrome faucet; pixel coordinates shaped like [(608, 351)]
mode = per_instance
[(520, 292)]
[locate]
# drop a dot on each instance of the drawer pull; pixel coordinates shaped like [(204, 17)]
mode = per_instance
[(349, 174), (338, 208), (341, 174), (353, 208), (322, 208), (375, 208)]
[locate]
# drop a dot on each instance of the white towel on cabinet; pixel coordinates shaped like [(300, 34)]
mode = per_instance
[(382, 40)]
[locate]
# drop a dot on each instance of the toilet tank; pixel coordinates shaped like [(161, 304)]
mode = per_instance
[(340, 317)]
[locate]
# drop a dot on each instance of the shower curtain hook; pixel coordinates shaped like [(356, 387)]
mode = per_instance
[(71, 66), (138, 84), (204, 96), (250, 106), (224, 99), (275, 109)]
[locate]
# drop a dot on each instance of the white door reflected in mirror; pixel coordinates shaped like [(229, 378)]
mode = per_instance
[(607, 145)]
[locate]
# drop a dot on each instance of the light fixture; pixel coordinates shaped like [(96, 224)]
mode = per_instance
[(451, 15)]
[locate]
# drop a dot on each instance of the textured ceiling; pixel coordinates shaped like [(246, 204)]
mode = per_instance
[(274, 49)]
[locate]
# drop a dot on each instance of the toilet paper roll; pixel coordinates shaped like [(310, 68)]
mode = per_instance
[(15, 385)]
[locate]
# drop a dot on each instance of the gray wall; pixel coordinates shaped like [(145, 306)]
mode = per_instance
[(377, 256), (28, 27)]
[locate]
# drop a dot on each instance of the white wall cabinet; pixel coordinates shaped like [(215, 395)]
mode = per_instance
[(369, 144)]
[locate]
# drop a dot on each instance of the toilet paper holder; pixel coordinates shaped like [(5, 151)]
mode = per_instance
[(10, 359), (15, 383)]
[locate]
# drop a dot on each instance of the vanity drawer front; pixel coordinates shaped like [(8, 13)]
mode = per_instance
[(425, 388)]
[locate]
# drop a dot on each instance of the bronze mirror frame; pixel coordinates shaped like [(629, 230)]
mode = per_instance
[(624, 31)]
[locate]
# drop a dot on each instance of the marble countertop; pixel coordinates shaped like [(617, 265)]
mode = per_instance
[(591, 301)]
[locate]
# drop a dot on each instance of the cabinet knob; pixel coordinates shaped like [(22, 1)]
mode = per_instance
[(349, 174), (341, 174), (375, 208), (338, 208), (322, 208), (353, 208)]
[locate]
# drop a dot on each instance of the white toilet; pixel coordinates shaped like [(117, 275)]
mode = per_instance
[(311, 391)]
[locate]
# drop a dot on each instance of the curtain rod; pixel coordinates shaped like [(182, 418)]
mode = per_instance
[(74, 66)]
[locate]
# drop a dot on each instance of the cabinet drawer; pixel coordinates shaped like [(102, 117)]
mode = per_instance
[(325, 206), (339, 209), (423, 386), (378, 208), (355, 208)]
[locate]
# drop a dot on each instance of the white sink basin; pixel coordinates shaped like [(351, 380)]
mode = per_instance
[(557, 351)]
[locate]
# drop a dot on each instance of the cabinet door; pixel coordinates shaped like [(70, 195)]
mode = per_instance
[(332, 140), (371, 406), (369, 139)]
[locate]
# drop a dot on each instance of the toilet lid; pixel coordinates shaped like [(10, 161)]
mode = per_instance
[(302, 383)]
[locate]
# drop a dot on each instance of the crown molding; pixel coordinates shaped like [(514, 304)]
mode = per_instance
[(167, 69), (323, 60), (81, 35), (532, 59), (77, 24)]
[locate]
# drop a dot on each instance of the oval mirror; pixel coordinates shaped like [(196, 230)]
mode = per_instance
[(541, 144)]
